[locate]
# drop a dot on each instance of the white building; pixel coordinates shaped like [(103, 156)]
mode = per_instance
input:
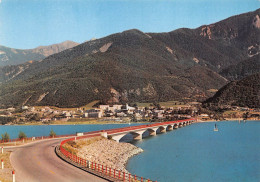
[(114, 108), (24, 107), (93, 113)]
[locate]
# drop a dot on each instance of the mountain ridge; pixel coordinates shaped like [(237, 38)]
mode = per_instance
[(12, 56), (243, 93), (133, 66)]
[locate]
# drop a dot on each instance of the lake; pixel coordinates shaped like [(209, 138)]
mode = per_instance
[(196, 153), (44, 130)]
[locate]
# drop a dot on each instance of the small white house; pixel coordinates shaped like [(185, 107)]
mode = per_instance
[(25, 107)]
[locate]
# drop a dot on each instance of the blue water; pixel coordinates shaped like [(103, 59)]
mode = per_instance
[(44, 130), (196, 153)]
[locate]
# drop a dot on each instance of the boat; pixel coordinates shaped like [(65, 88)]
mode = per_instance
[(215, 128)]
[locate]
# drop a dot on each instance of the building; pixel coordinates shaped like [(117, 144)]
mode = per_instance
[(93, 113), (114, 108)]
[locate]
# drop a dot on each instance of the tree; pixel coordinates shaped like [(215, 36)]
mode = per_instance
[(22, 135), (5, 137), (35, 117), (246, 115), (4, 120), (52, 133)]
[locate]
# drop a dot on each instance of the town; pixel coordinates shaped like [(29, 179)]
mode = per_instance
[(121, 113)]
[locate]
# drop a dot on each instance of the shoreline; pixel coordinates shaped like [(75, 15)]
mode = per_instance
[(77, 123), (121, 160), (109, 122), (107, 152), (233, 119)]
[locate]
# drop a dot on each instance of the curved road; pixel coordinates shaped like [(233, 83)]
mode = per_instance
[(37, 162)]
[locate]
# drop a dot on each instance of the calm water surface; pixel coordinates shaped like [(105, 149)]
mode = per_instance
[(44, 130), (196, 153)]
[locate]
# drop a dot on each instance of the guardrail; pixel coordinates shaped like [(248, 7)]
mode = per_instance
[(105, 170), (34, 138), (99, 169), (116, 130)]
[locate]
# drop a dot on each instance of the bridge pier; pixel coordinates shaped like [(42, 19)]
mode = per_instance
[(118, 137), (137, 133), (169, 128), (175, 126), (152, 132), (137, 137), (162, 129)]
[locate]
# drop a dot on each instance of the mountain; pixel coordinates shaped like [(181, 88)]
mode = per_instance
[(134, 66), (10, 56), (218, 45), (244, 93), (55, 48), (242, 69)]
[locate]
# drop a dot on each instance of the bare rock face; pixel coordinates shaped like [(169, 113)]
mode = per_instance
[(196, 60), (105, 47), (42, 96), (55, 48), (149, 90), (206, 31), (115, 96), (253, 50), (170, 50), (256, 22)]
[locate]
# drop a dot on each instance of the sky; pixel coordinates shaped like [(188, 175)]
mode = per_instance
[(27, 24)]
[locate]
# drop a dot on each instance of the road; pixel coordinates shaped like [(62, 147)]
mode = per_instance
[(37, 162)]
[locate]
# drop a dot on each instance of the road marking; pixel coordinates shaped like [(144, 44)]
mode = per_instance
[(51, 171)]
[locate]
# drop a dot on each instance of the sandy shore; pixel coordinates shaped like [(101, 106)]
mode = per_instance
[(106, 152)]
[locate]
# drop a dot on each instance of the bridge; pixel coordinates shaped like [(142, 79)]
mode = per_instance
[(40, 158), (138, 131)]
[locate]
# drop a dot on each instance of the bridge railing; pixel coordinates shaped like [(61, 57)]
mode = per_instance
[(105, 170), (33, 138), (110, 131)]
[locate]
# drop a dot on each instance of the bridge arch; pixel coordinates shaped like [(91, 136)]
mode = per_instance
[(161, 129), (135, 135), (169, 127), (175, 126), (152, 131)]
